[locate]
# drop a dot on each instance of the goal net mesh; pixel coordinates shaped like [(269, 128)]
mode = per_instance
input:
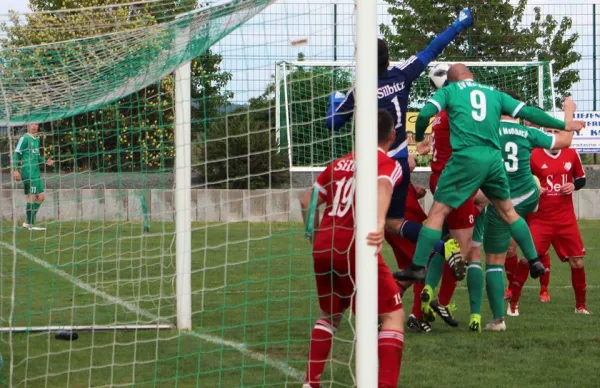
[(303, 98)]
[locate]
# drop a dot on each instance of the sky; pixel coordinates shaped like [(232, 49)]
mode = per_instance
[(251, 51)]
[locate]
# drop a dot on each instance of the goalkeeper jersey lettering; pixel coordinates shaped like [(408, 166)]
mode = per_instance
[(393, 89), (28, 147), (474, 112), (517, 142)]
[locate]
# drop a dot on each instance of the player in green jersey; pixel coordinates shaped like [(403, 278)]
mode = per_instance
[(474, 111), (516, 142), (27, 152)]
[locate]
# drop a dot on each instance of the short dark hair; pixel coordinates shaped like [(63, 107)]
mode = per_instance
[(513, 95), (385, 125), (383, 56)]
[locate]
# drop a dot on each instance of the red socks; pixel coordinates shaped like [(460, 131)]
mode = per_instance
[(519, 279), (579, 286), (391, 343), (545, 278), (510, 266), (320, 345), (447, 286), (416, 308)]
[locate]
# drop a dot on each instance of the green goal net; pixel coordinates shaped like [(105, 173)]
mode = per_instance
[(303, 88)]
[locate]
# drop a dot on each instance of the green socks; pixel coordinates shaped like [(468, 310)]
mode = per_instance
[(475, 287), (31, 210), (435, 270), (29, 213), (494, 284), (427, 239), (34, 210), (520, 232)]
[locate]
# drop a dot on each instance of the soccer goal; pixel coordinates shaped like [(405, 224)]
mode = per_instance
[(302, 89)]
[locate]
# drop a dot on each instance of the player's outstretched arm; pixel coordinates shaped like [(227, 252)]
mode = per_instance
[(543, 119), (339, 110), (563, 139), (414, 68)]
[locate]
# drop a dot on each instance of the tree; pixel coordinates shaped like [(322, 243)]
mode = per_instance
[(134, 133), (498, 34)]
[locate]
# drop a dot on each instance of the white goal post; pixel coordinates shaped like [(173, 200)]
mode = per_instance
[(302, 87)]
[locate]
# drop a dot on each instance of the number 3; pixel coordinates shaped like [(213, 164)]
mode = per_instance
[(512, 164), (479, 105)]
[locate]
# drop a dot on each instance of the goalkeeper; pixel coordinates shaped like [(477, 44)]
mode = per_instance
[(28, 153), (393, 91)]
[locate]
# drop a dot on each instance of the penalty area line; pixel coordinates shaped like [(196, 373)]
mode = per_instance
[(240, 347)]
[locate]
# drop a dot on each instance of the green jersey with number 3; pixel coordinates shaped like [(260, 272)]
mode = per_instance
[(517, 142), (474, 112)]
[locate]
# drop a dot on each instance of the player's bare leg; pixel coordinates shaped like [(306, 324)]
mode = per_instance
[(579, 285), (321, 340), (428, 237), (494, 281), (520, 232), (510, 266)]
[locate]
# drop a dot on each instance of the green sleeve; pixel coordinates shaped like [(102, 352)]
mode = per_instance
[(541, 139), (21, 145), (425, 115), (510, 106), (41, 159), (540, 118)]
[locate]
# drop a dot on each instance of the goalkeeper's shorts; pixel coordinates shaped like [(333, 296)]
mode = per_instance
[(33, 186)]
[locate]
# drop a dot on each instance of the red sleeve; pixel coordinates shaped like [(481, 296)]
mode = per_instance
[(391, 170), (578, 171), (323, 180)]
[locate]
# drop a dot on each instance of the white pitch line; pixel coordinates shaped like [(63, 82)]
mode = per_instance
[(315, 291), (240, 347)]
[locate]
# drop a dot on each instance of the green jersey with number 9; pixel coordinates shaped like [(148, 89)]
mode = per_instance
[(517, 142), (474, 112)]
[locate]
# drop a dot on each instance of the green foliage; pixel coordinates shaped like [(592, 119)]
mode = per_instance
[(308, 90), (239, 149), (134, 133), (498, 34)]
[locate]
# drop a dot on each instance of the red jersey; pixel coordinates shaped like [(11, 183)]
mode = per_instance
[(553, 171), (414, 211), (440, 142), (336, 187)]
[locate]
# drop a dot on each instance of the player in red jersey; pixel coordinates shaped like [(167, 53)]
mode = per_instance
[(404, 251), (560, 174), (460, 221), (334, 260)]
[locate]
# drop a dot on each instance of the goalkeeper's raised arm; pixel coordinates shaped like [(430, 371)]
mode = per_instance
[(394, 83)]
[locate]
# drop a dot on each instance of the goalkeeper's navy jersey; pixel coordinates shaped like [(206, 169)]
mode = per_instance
[(392, 95)]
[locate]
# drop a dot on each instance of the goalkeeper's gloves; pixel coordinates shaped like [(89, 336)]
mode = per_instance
[(335, 100), (465, 20)]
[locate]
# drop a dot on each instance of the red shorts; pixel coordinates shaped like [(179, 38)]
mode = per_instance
[(463, 217), (565, 239), (335, 284), (404, 250)]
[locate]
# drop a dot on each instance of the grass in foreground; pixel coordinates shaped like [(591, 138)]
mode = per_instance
[(253, 297)]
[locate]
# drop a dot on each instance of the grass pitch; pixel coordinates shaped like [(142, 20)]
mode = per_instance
[(254, 305)]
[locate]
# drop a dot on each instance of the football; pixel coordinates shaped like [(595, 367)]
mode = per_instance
[(438, 75)]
